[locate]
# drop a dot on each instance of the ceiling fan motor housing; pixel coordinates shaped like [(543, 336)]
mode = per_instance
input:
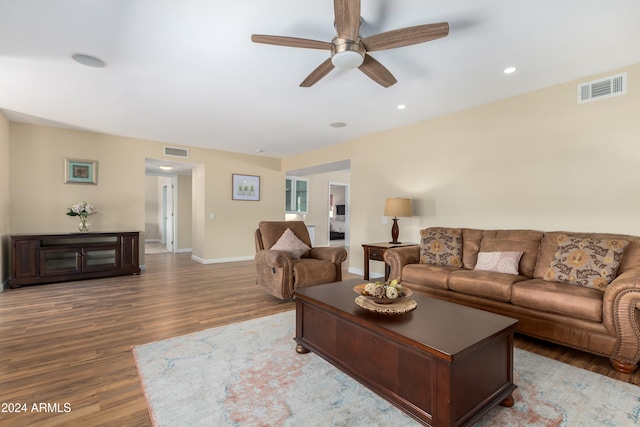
[(347, 54)]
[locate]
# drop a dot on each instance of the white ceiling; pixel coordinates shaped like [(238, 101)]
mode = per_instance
[(186, 72)]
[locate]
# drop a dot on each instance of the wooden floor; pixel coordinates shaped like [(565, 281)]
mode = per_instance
[(68, 345)]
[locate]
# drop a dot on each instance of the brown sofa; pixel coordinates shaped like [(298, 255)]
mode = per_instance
[(603, 321), (280, 272)]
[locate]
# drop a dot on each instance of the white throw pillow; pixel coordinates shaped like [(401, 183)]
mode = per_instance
[(289, 242), (500, 262)]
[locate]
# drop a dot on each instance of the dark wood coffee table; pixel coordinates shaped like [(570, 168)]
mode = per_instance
[(444, 364)]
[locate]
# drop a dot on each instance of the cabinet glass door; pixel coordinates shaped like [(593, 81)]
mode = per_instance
[(59, 261), (288, 195), (99, 259), (301, 196)]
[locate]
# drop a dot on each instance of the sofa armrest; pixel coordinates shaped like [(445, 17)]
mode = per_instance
[(399, 257), (621, 316), (335, 255)]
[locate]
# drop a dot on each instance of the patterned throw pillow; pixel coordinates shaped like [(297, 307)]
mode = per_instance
[(499, 262), (441, 246), (586, 262), (289, 242)]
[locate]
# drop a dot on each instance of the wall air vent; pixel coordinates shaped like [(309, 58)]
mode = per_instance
[(602, 88), (176, 152)]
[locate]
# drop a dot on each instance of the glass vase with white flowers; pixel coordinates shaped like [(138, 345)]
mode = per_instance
[(83, 210)]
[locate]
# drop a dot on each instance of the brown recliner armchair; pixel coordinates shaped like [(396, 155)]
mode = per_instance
[(280, 273)]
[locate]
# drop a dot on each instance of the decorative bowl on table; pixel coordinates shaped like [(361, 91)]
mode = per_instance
[(383, 293)]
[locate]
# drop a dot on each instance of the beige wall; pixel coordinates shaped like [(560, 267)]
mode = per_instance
[(184, 206), (39, 197), (5, 269), (231, 234), (538, 161)]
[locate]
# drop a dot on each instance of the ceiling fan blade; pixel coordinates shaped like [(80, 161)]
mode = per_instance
[(347, 15), (322, 70), (290, 41), (406, 36), (377, 72)]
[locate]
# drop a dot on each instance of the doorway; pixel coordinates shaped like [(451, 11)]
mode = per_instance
[(338, 214), (168, 206), (167, 215), (159, 214)]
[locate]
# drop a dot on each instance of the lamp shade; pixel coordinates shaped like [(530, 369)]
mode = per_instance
[(397, 207)]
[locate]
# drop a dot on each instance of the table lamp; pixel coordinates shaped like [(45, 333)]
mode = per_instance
[(396, 207)]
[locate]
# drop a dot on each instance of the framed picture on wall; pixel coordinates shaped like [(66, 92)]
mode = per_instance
[(80, 171), (245, 187)]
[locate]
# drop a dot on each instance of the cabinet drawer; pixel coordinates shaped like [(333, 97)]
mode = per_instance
[(376, 254)]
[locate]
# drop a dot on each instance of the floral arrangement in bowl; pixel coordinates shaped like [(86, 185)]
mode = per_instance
[(83, 210), (383, 293)]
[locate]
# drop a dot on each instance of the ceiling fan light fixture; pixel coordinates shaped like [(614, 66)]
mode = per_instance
[(347, 60), (347, 54)]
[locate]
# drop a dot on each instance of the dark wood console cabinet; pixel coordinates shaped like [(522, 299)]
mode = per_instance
[(48, 258)]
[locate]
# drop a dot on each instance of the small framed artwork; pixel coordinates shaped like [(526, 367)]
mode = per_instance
[(80, 171), (245, 187)]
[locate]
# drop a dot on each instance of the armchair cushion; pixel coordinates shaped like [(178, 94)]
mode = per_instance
[(289, 242), (271, 231)]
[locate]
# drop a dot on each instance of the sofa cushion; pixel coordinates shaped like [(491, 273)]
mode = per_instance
[(487, 284), (433, 276), (441, 246), (549, 246), (289, 242), (499, 262), (525, 241), (558, 298), (587, 262), (471, 240)]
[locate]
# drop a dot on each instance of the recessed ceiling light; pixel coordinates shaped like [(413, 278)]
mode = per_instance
[(401, 107), (338, 125), (510, 70), (165, 167), (259, 150), (88, 60)]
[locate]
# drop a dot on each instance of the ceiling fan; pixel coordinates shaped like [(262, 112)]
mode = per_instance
[(349, 50)]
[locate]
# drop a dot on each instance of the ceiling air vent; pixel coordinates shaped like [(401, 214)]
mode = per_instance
[(603, 88), (176, 152)]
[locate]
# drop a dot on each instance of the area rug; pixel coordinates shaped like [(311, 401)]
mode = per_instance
[(248, 374)]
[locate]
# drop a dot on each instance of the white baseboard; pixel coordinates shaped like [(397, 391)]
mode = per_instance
[(179, 251), (360, 272), (220, 260)]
